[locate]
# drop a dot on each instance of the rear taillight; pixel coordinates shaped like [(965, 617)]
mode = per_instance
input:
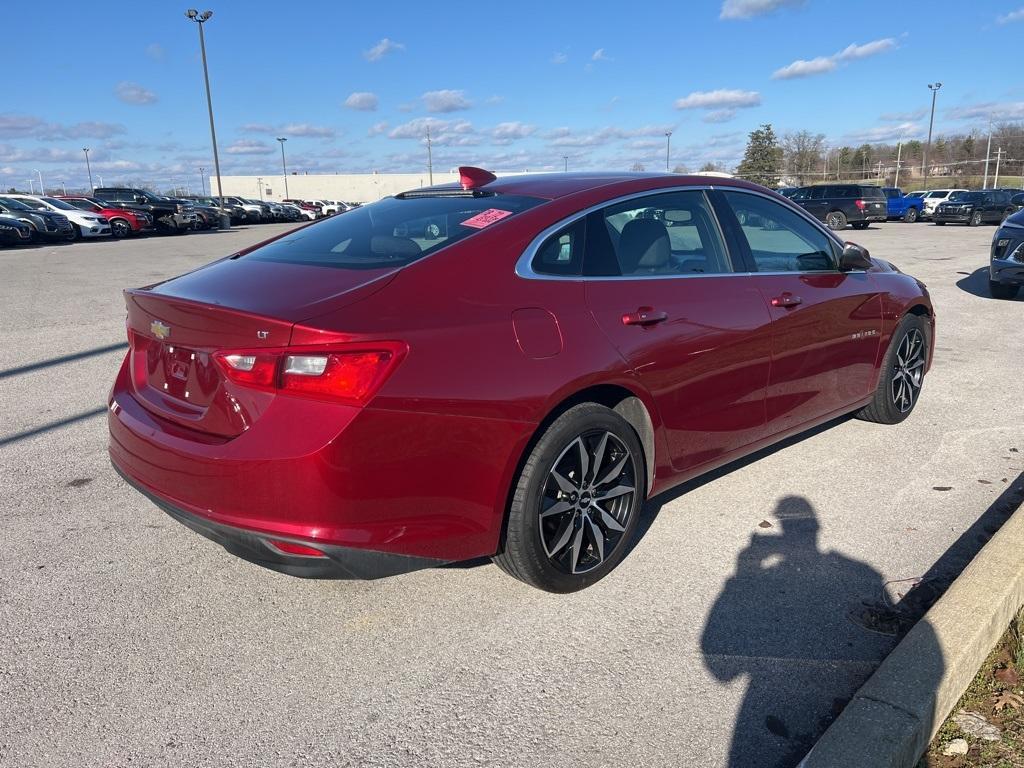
[(347, 375), (859, 204)]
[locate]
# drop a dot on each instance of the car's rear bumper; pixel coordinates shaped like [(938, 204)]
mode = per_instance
[(336, 562)]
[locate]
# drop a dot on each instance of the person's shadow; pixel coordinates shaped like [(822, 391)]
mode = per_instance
[(783, 622)]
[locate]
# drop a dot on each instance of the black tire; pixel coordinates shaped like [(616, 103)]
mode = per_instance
[(888, 407), (940, 223), (975, 219), (77, 234), (120, 228), (1002, 290), (859, 225), (910, 215), (836, 221), (577, 560)]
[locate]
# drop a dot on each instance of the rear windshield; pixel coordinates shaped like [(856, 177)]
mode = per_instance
[(392, 232), (871, 192)]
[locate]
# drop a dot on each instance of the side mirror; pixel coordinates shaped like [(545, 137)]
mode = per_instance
[(1018, 199), (854, 257)]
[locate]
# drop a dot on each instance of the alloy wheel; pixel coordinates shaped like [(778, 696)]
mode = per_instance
[(586, 501), (908, 370)]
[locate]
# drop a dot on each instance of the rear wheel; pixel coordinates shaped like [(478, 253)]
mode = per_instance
[(576, 502), (902, 375), (940, 223), (120, 228), (910, 215), (76, 234), (1002, 290), (836, 220), (975, 219), (859, 225)]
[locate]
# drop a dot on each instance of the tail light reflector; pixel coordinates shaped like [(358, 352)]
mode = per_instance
[(291, 548), (859, 204)]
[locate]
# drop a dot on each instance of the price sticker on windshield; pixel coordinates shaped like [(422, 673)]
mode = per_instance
[(486, 218)]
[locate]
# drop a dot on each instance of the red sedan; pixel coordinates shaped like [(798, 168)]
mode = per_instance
[(505, 368), (123, 221)]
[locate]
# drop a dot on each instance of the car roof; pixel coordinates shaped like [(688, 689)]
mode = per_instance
[(551, 186)]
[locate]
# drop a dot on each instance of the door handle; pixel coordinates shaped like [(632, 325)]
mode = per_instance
[(644, 316), (787, 300)]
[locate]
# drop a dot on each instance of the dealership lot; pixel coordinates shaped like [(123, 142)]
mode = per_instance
[(731, 629)]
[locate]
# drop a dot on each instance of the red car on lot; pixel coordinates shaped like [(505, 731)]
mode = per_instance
[(505, 368), (123, 222)]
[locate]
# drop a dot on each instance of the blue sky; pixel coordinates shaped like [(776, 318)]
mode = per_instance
[(509, 86)]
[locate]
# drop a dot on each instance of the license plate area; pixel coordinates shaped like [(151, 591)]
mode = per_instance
[(181, 374)]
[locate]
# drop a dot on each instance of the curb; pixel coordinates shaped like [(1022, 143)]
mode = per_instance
[(893, 717)]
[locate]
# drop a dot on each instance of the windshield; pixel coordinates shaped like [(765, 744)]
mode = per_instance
[(14, 205), (966, 197), (392, 232), (37, 205), (63, 205)]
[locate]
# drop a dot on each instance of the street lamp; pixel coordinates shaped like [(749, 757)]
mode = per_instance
[(934, 87), (259, 186), (565, 160), (42, 189), (668, 144), (284, 168), (88, 168), (202, 179), (201, 19)]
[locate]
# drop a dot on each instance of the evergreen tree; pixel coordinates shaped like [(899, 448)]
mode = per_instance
[(763, 158)]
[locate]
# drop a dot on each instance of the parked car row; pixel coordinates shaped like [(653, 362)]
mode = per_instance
[(857, 205), (124, 211)]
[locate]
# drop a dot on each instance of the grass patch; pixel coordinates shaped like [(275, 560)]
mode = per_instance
[(993, 695)]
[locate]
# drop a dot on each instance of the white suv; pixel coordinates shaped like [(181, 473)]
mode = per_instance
[(86, 224), (936, 196)]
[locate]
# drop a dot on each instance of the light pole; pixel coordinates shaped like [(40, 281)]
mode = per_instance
[(88, 168), (202, 179), (65, 188), (259, 186), (988, 154), (999, 155), (42, 189), (284, 168), (201, 19), (668, 145), (934, 87), (430, 158), (565, 161), (899, 155), (31, 186)]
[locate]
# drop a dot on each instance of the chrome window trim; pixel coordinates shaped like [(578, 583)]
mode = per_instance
[(524, 265)]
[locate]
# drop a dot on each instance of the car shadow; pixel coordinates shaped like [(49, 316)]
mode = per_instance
[(976, 284)]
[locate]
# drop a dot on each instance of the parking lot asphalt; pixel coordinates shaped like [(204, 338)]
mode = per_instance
[(731, 635)]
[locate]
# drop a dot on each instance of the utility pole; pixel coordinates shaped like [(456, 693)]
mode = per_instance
[(999, 155), (202, 179), (934, 87), (668, 146), (88, 168), (284, 168), (201, 19), (988, 153), (899, 155), (430, 159)]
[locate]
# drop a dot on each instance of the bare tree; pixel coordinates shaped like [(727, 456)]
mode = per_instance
[(803, 152)]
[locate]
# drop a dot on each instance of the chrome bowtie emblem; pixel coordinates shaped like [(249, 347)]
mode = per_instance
[(159, 330)]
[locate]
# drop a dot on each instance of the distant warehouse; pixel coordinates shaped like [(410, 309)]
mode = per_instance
[(350, 187)]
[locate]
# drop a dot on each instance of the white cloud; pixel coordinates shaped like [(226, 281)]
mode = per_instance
[(566, 137), (155, 51), (600, 55), (720, 99), (747, 9), (1010, 110), (822, 64), (442, 132), (560, 58), (506, 133), (719, 116), (900, 117), (249, 147), (446, 101), (1011, 17), (28, 126), (362, 100), (133, 93), (303, 130), (885, 133), (378, 128), (382, 49)]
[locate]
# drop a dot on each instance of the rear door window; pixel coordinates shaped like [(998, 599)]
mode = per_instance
[(780, 239), (562, 253)]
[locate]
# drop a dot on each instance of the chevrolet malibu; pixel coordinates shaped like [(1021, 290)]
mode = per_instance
[(358, 398)]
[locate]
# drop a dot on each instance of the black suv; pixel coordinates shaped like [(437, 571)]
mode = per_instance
[(169, 214), (839, 204), (986, 206)]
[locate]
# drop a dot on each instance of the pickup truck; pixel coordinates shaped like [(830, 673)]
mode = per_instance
[(901, 206)]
